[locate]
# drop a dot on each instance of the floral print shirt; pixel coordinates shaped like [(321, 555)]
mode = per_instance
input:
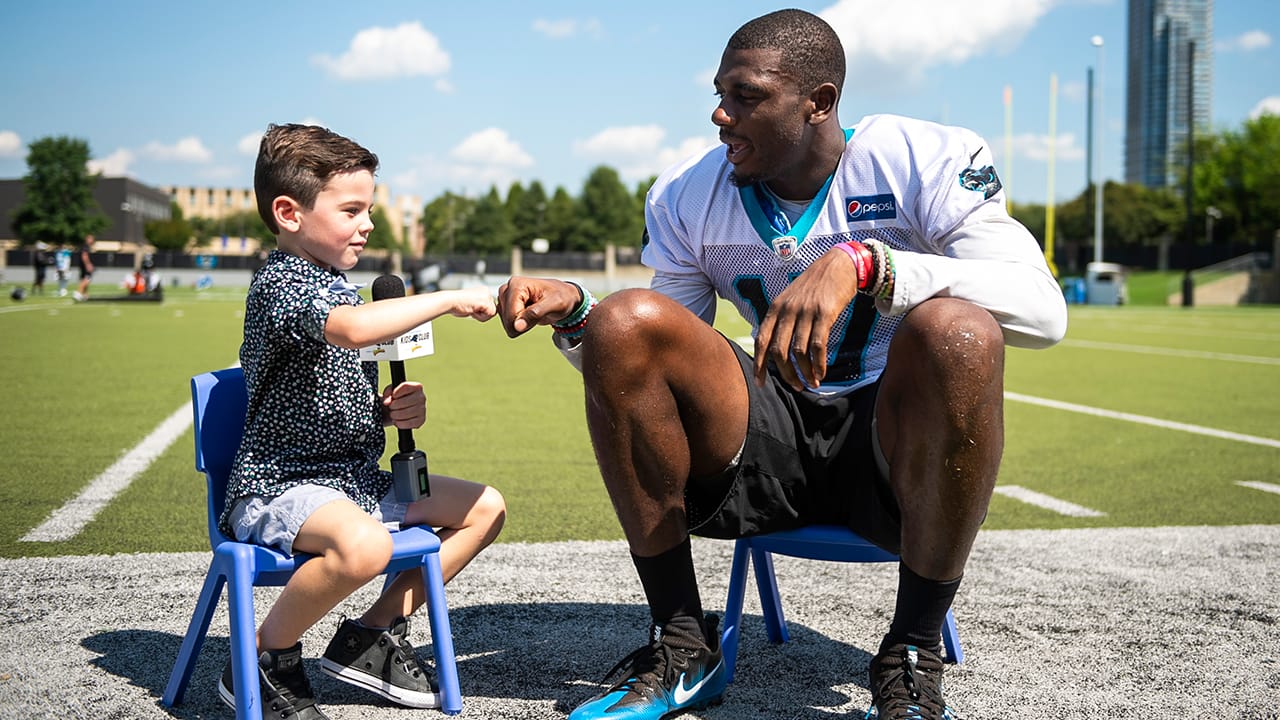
[(314, 413)]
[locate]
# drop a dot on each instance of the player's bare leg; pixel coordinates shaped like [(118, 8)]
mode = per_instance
[(940, 414), (666, 400)]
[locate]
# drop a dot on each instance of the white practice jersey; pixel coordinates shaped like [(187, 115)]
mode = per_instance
[(928, 191)]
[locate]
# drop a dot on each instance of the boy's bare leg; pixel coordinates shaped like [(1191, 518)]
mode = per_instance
[(469, 516), (350, 548)]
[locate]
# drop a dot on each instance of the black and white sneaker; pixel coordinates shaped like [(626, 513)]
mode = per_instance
[(283, 684), (906, 684), (381, 660)]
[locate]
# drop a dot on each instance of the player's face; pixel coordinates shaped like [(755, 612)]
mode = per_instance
[(763, 118), (333, 232)]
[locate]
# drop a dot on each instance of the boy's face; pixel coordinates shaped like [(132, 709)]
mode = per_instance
[(334, 230)]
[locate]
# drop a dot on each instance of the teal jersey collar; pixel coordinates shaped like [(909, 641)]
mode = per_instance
[(772, 225)]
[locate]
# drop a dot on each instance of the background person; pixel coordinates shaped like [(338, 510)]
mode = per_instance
[(62, 265), (40, 262), (84, 260), (883, 279)]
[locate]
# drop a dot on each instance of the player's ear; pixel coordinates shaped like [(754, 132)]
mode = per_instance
[(285, 210), (823, 103)]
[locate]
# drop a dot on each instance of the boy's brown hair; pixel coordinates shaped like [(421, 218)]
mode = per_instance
[(298, 161)]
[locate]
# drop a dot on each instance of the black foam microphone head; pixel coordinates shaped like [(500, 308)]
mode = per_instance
[(386, 287)]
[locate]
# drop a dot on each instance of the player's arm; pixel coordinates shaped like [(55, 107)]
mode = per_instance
[(994, 262), (979, 253), (673, 250), (798, 324)]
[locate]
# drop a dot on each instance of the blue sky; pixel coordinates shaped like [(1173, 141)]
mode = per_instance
[(464, 95)]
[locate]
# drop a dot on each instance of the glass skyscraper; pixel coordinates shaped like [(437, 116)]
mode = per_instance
[(1161, 33)]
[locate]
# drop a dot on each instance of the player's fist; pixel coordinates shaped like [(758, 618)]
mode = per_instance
[(527, 302)]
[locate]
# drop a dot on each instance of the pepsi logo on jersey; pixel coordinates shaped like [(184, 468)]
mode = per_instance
[(871, 207)]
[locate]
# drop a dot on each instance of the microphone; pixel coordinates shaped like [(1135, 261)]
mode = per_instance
[(409, 465)]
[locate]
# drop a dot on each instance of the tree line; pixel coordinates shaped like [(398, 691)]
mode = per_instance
[(1236, 173), (1236, 179)]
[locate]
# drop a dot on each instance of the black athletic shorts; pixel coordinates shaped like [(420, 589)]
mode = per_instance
[(807, 460)]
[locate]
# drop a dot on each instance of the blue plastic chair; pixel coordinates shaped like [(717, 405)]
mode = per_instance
[(219, 401), (816, 542)]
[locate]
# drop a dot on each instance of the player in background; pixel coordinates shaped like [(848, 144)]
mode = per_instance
[(84, 261), (883, 279)]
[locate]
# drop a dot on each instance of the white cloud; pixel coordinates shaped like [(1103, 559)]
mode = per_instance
[(222, 174), (114, 165), (637, 151), (1245, 42), (1075, 91), (706, 78), (491, 147), (249, 144), (188, 149), (10, 144), (1036, 147), (1266, 106), (568, 27), (634, 140), (902, 40), (484, 158), (406, 50)]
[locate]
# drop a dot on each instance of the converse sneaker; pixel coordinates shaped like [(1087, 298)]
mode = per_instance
[(680, 669), (381, 660), (284, 687), (906, 684)]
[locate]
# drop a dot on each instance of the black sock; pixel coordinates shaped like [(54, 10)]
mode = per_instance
[(921, 608), (669, 584)]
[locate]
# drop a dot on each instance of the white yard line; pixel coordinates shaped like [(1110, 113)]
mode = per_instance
[(1048, 502), (1144, 420), (29, 308), (1171, 352), (1263, 486), (67, 521)]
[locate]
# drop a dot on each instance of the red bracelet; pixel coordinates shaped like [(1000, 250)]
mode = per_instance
[(862, 261)]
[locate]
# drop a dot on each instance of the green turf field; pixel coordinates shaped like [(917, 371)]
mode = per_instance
[(85, 383)]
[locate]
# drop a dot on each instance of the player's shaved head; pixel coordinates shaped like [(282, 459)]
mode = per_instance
[(811, 50)]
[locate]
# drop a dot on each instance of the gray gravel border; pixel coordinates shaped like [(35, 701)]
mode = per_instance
[(1163, 623)]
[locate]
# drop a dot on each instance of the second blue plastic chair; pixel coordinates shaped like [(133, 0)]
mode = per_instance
[(816, 542)]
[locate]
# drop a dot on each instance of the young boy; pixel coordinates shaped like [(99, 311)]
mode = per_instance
[(306, 478)]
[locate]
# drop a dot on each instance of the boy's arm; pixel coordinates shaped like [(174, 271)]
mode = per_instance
[(357, 326)]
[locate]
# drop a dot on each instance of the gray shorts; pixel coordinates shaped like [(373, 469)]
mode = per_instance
[(275, 522)]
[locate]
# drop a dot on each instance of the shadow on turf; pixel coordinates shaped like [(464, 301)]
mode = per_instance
[(546, 651)]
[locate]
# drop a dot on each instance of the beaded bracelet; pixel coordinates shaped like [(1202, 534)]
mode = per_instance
[(885, 291), (574, 324)]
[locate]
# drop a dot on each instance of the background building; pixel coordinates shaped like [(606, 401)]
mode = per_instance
[(1161, 33), (128, 205), (404, 213)]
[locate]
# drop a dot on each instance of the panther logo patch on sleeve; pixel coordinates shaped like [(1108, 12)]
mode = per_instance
[(983, 180)]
